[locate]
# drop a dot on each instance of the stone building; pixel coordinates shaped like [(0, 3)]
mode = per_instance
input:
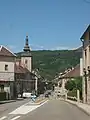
[(24, 78), (85, 38), (70, 75), (7, 61), (16, 74)]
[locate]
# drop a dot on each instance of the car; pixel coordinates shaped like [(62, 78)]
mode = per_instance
[(26, 95), (46, 95)]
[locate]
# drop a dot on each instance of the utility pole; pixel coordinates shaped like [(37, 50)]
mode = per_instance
[(36, 83)]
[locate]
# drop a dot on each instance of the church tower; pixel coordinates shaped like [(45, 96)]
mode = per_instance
[(26, 57)]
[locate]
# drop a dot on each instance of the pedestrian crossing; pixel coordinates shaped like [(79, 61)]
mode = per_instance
[(20, 111), (9, 117)]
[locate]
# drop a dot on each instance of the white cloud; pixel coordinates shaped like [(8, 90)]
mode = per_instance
[(37, 47), (62, 48), (13, 48)]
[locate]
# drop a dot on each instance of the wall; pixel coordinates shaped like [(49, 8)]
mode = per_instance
[(29, 63), (9, 74), (81, 67)]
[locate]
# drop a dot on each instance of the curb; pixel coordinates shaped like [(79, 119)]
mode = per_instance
[(3, 102), (79, 107), (38, 102)]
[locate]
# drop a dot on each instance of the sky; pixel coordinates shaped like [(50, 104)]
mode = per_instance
[(50, 24)]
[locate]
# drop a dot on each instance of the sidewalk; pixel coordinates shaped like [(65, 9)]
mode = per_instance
[(84, 107), (9, 101)]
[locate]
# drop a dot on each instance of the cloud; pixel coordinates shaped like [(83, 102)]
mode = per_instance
[(40, 47), (61, 48), (37, 47), (13, 48)]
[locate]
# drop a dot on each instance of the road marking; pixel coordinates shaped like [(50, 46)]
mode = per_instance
[(2, 118), (24, 109), (15, 118)]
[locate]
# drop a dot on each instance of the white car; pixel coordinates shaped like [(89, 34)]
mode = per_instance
[(26, 95)]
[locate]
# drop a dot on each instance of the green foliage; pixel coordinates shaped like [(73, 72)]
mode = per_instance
[(72, 93), (70, 85), (73, 85), (50, 63)]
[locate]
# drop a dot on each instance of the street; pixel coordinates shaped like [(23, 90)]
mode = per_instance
[(49, 110)]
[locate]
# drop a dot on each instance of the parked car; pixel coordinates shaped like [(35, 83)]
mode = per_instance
[(46, 95), (26, 95)]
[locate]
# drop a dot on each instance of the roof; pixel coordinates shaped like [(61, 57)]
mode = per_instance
[(20, 69), (87, 30), (6, 52), (73, 73), (25, 54)]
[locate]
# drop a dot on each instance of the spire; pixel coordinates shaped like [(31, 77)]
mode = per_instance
[(26, 47)]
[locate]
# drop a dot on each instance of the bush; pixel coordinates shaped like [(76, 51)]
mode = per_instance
[(70, 85), (72, 93)]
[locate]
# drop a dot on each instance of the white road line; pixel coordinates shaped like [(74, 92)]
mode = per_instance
[(26, 109), (15, 118), (2, 118)]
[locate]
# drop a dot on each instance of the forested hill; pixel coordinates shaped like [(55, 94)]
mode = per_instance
[(50, 63)]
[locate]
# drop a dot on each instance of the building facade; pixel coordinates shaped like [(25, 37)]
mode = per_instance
[(85, 38), (24, 78), (16, 74), (7, 60)]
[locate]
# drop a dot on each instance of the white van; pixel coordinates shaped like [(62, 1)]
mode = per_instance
[(26, 95)]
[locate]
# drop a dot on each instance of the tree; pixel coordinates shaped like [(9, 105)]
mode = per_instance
[(70, 85), (73, 85)]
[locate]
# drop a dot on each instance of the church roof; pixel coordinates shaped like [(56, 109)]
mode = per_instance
[(26, 51), (25, 54), (20, 69)]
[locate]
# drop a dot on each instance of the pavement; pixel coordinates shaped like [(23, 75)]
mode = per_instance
[(84, 107), (9, 101), (48, 109)]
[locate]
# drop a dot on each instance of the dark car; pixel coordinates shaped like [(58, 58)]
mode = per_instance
[(46, 95)]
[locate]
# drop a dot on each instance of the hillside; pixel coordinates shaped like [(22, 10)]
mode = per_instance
[(50, 63)]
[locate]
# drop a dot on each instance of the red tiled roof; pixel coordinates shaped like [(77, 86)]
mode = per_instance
[(73, 73), (6, 52), (20, 69)]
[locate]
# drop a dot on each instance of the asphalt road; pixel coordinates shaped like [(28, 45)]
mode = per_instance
[(8, 107), (51, 110)]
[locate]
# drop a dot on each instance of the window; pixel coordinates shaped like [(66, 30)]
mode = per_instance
[(89, 48), (89, 35), (6, 67), (85, 53), (26, 61)]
